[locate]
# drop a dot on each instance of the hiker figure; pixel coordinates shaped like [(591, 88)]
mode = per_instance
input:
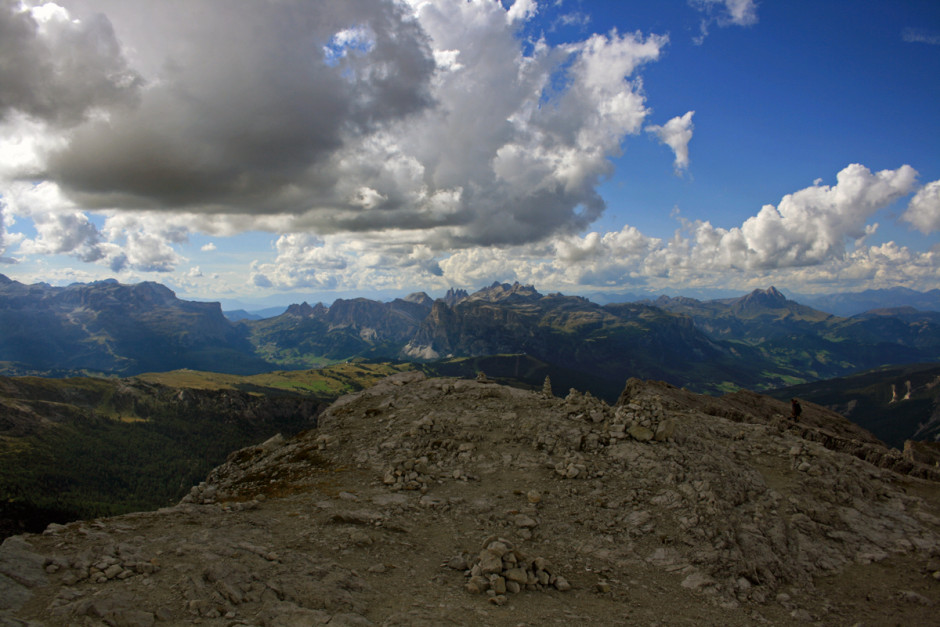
[(795, 410)]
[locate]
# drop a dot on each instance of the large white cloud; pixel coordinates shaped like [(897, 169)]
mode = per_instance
[(923, 212), (430, 117), (813, 238), (7, 239), (135, 241), (307, 262), (351, 117), (806, 227)]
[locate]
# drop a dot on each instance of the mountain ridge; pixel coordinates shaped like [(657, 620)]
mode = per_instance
[(759, 340)]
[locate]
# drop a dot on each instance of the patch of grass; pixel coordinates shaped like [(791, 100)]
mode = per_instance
[(338, 378)]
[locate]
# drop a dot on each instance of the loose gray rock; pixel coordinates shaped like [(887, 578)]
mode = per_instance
[(377, 514)]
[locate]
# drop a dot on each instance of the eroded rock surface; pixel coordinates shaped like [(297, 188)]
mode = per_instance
[(454, 502)]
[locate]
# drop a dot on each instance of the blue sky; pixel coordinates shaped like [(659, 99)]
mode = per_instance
[(270, 152)]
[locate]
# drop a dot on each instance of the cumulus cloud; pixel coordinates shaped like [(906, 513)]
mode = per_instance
[(64, 232), (923, 212), (676, 133), (250, 102), (430, 117), (143, 242), (304, 261), (808, 226), (60, 227), (813, 237), (124, 241)]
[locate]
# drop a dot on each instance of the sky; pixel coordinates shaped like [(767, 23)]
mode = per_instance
[(274, 151)]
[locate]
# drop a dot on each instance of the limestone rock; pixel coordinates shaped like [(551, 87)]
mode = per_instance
[(641, 433)]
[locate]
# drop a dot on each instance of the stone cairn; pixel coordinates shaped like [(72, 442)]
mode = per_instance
[(409, 474), (500, 569), (643, 420)]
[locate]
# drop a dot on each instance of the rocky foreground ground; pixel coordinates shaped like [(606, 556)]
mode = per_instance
[(458, 502)]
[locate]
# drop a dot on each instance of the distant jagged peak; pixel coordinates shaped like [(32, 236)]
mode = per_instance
[(5, 280), (773, 292), (771, 297), (419, 298), (304, 310), (664, 301), (454, 296), (504, 291)]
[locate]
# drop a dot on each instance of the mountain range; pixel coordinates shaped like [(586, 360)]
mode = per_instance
[(815, 344), (759, 341)]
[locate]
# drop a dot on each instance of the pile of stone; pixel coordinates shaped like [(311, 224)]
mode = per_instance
[(586, 407), (595, 425), (409, 474), (643, 421), (500, 569)]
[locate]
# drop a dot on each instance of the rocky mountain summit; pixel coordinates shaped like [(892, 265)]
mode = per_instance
[(462, 502)]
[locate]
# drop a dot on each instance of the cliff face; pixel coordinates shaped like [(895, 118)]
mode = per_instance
[(444, 501)]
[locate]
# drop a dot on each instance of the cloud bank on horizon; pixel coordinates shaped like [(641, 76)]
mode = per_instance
[(391, 144)]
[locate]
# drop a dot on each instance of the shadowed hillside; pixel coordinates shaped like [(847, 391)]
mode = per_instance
[(86, 447), (898, 403)]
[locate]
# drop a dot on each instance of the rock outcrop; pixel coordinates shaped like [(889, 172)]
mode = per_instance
[(449, 501)]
